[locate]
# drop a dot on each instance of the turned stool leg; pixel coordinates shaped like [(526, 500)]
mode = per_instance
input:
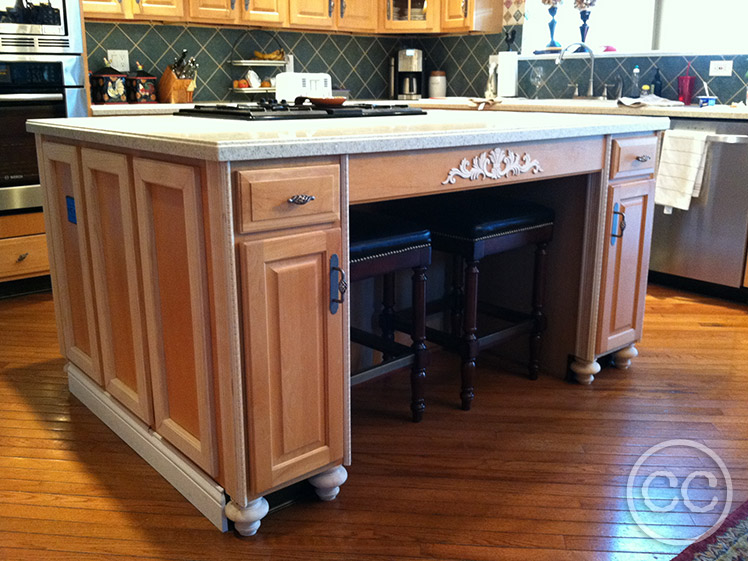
[(457, 295), (387, 317), (418, 372), (539, 322), (469, 339)]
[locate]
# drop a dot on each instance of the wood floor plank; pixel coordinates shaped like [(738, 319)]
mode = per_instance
[(536, 471)]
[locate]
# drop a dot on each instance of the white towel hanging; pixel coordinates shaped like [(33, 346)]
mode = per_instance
[(681, 169)]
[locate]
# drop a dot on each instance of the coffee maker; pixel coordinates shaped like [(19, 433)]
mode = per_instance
[(408, 74)]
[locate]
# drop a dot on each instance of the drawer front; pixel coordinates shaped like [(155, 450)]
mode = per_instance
[(633, 156), (23, 257), (266, 195), (14, 225)]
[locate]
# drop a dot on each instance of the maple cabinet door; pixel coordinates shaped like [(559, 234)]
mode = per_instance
[(293, 356), (625, 263)]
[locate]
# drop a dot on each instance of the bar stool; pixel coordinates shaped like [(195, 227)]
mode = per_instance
[(381, 245), (470, 226)]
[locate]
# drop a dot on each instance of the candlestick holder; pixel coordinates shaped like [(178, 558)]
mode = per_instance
[(553, 46)]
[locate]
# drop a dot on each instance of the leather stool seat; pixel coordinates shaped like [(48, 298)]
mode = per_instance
[(382, 245), (472, 225)]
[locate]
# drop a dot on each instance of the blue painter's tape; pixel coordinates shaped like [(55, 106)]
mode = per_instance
[(70, 202)]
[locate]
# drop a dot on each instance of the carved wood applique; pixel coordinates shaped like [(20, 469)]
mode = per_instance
[(495, 164)]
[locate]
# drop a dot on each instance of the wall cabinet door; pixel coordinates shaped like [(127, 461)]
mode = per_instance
[(455, 15), (265, 11), (110, 210), (293, 356), (213, 10), (411, 15), (69, 251), (625, 263), (318, 14), (175, 289), (107, 8), (357, 15), (173, 9), (472, 15)]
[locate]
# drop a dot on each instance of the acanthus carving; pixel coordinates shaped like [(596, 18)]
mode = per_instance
[(495, 164)]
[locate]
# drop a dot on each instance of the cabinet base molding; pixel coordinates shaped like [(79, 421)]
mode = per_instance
[(585, 370), (247, 519), (327, 484), (205, 494), (622, 358)]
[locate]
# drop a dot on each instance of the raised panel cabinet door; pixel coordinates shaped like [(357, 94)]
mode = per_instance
[(107, 8), (625, 263), (455, 15), (357, 15), (265, 11), (312, 13), (172, 9), (411, 15), (213, 10), (110, 211), (175, 289), (70, 261), (293, 356)]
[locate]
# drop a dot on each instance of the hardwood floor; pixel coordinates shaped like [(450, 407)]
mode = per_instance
[(536, 471)]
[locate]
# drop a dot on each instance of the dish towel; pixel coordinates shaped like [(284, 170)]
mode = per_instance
[(650, 100), (681, 171)]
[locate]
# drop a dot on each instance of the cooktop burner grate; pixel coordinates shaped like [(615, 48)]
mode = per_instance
[(274, 110)]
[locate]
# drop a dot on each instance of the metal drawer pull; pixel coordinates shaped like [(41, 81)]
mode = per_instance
[(301, 199), (338, 284), (643, 158), (22, 257)]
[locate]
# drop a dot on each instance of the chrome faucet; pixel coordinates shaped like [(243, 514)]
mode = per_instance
[(590, 88)]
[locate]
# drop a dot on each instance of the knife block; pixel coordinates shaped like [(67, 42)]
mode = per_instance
[(174, 90)]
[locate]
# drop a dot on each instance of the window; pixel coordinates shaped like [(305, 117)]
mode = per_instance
[(636, 25)]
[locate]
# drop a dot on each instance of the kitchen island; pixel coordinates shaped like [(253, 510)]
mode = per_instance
[(197, 266)]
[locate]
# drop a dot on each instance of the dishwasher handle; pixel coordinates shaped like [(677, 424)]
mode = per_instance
[(728, 138)]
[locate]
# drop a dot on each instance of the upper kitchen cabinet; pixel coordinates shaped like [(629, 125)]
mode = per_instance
[(315, 14), (471, 15), (411, 16), (357, 15), (344, 15), (257, 12), (134, 9)]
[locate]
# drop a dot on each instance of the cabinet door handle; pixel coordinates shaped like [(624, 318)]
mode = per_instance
[(338, 284), (246, 5), (643, 158), (301, 199), (342, 8), (22, 257), (464, 8), (233, 4), (389, 10), (615, 228), (331, 8)]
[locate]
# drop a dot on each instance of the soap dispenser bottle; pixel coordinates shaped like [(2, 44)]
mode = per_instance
[(635, 92), (657, 83)]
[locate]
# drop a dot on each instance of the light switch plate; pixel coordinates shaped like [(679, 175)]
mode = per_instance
[(720, 68), (119, 59)]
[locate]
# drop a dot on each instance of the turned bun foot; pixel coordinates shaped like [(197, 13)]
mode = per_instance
[(585, 370), (622, 359), (327, 484), (247, 519)]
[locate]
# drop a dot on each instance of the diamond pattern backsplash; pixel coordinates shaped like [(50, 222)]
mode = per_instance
[(359, 63), (556, 80)]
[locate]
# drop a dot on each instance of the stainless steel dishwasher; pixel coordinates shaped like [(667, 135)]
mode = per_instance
[(708, 242)]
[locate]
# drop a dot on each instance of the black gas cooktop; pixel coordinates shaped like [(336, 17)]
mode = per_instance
[(272, 110)]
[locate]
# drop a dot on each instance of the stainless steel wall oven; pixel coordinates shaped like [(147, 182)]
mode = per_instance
[(41, 75)]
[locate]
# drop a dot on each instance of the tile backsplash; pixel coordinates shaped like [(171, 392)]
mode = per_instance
[(359, 63), (556, 78)]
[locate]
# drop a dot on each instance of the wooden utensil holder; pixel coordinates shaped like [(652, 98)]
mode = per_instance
[(174, 90)]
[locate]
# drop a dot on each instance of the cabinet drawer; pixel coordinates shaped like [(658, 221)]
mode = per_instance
[(23, 257), (633, 156), (264, 197), (14, 225)]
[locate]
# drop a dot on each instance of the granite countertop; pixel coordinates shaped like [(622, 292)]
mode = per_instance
[(609, 107), (224, 140)]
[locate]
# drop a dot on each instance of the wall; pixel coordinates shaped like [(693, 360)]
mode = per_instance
[(359, 63), (607, 69)]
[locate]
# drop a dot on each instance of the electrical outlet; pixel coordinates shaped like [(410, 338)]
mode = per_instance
[(720, 68), (119, 59), (493, 59)]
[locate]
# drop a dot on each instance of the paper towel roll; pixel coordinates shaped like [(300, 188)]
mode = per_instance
[(507, 74)]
